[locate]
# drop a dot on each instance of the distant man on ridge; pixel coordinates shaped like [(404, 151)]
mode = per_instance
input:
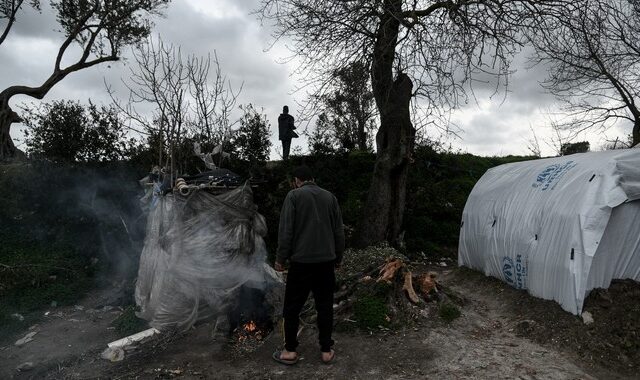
[(286, 131)]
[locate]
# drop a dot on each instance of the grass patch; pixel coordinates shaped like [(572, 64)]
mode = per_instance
[(371, 312), (33, 275), (449, 312), (128, 323)]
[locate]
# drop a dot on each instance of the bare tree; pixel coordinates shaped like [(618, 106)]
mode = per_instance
[(213, 102), (100, 28), (428, 49), (185, 105), (533, 144), (593, 52)]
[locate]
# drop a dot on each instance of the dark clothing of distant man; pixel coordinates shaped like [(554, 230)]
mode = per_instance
[(311, 238), (286, 131)]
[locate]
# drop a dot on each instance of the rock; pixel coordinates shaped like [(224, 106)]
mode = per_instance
[(26, 339), (114, 354), (78, 308), (17, 316), (587, 318), (26, 366), (443, 264)]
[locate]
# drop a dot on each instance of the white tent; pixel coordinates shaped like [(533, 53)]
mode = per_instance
[(557, 227)]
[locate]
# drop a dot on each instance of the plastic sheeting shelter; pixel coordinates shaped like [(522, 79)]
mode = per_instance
[(557, 227), (199, 252)]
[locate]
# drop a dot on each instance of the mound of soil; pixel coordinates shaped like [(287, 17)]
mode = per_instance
[(611, 342)]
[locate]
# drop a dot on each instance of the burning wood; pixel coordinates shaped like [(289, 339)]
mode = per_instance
[(249, 335), (250, 327)]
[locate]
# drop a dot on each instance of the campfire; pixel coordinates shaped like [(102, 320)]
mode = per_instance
[(249, 331), (252, 320), (248, 336)]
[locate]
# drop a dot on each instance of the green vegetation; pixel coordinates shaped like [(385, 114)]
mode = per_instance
[(128, 323), (448, 312), (35, 274), (370, 309), (439, 184), (371, 312), (59, 227), (57, 221)]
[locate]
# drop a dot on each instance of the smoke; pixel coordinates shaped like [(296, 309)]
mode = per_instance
[(202, 253), (70, 228)]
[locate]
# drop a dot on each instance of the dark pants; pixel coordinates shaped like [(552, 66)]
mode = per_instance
[(320, 280), (286, 146)]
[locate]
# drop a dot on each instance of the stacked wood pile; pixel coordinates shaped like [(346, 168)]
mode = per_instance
[(380, 288)]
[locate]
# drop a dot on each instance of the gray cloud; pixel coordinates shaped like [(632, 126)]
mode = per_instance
[(27, 56), (493, 125)]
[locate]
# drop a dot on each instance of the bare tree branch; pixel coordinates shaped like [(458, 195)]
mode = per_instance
[(594, 65)]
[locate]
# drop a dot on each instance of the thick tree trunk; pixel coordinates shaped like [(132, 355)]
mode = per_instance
[(7, 117), (383, 214), (636, 133), (382, 219)]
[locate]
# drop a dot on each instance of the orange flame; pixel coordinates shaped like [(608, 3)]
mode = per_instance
[(250, 326)]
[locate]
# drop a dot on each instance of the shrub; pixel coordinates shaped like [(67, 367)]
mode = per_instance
[(371, 312), (449, 312)]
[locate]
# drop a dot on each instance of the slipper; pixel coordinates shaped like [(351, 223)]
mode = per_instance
[(276, 357), (333, 356)]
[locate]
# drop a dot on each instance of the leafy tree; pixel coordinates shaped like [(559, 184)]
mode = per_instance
[(573, 148), (99, 28), (251, 141), (322, 141), (592, 50), (428, 49), (9, 10), (66, 131), (349, 108)]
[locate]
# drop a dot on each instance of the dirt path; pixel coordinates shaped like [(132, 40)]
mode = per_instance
[(481, 344)]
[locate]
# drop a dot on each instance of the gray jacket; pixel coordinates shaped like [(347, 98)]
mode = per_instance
[(311, 229)]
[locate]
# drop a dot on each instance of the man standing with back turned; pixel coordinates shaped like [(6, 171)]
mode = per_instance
[(311, 237), (286, 131)]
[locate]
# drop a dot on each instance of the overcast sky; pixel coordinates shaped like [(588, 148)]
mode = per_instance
[(495, 126)]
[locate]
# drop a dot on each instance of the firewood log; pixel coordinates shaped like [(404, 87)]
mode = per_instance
[(388, 271), (408, 288), (427, 283)]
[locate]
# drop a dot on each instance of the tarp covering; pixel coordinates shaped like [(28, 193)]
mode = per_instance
[(199, 251), (547, 225)]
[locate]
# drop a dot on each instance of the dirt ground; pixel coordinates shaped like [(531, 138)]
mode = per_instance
[(502, 333)]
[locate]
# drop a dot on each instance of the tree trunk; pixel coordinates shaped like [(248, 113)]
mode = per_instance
[(636, 133), (7, 117), (384, 210), (362, 133), (383, 214)]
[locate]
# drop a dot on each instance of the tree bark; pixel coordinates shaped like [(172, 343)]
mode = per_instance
[(636, 133), (384, 210), (362, 133), (7, 117)]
